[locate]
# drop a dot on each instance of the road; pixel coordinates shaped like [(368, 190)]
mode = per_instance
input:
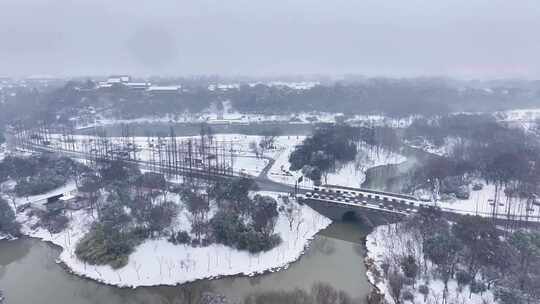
[(390, 202)]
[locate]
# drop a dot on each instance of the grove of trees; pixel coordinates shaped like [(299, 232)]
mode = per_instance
[(471, 251), (8, 225), (482, 149), (242, 222), (39, 173), (132, 206), (332, 145), (116, 231)]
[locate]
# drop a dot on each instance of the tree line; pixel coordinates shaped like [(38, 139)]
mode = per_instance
[(393, 97)]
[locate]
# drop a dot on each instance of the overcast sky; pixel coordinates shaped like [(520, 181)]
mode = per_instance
[(459, 38)]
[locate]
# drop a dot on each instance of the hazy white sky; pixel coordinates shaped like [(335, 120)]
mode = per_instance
[(460, 38)]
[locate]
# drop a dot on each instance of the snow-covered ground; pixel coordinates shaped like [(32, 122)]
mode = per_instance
[(443, 150), (390, 242), (244, 161), (522, 118), (67, 190), (351, 174), (159, 262), (519, 115)]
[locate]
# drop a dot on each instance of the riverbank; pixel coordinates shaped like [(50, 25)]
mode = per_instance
[(386, 246), (159, 262), (333, 257)]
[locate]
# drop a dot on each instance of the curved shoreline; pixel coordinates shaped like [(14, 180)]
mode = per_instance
[(68, 270), (376, 296), (200, 268)]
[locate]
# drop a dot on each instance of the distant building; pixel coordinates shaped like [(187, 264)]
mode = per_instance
[(164, 90), (137, 85), (119, 79), (123, 80), (114, 80)]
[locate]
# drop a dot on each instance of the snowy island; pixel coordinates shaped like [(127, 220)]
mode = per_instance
[(160, 262)]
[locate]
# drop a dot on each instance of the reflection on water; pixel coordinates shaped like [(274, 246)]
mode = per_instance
[(11, 251), (29, 274)]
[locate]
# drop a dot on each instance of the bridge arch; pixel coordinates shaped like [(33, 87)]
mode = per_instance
[(350, 216)]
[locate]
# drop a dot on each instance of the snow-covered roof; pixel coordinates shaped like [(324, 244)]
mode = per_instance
[(119, 79), (163, 88), (222, 86), (104, 85), (114, 80), (137, 84)]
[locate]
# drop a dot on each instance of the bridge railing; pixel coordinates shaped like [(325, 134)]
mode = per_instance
[(392, 194)]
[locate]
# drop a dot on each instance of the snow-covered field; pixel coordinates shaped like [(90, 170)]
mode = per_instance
[(351, 174), (244, 159), (159, 262), (390, 242)]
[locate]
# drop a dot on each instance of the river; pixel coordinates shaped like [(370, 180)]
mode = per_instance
[(29, 274)]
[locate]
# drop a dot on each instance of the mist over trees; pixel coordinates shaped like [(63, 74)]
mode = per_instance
[(393, 97)]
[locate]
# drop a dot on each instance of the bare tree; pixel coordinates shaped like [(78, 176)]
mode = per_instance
[(396, 281)]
